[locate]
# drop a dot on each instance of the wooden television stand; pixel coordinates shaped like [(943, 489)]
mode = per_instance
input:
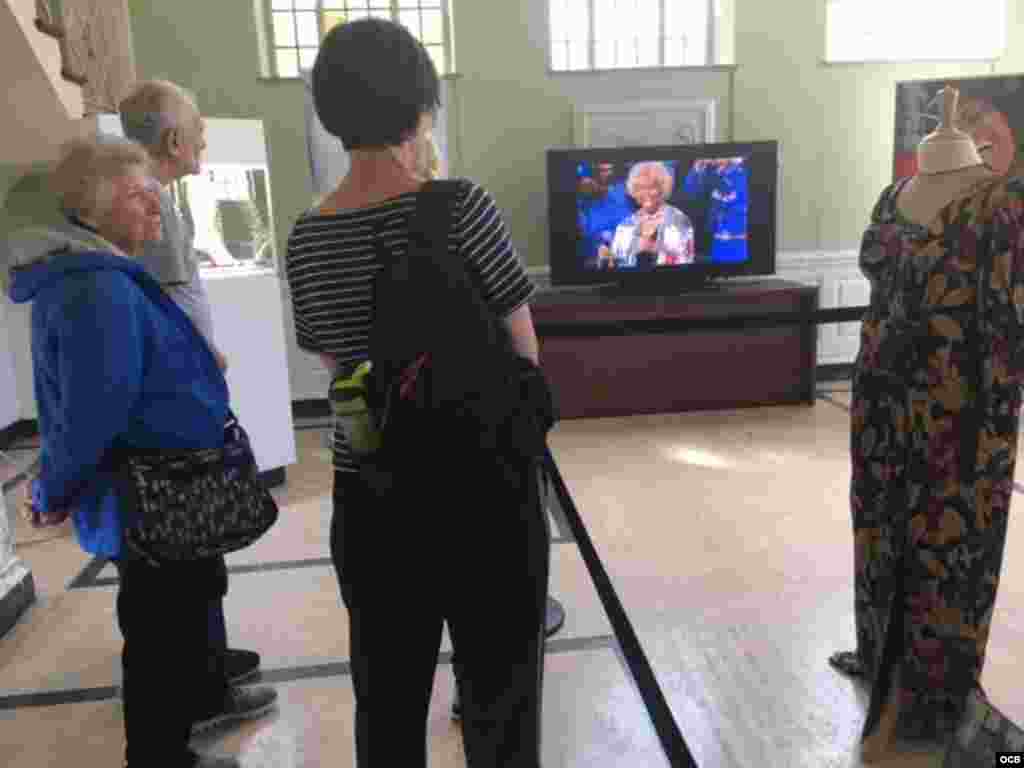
[(596, 369)]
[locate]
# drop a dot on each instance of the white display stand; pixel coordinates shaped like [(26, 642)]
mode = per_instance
[(248, 322), (248, 314), (17, 589)]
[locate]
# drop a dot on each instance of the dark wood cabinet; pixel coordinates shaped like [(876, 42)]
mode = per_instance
[(617, 355)]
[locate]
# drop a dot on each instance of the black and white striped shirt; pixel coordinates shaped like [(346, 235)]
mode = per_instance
[(331, 264)]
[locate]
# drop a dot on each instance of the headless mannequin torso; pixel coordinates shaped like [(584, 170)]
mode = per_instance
[(949, 166)]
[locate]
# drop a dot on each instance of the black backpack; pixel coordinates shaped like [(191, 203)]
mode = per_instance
[(446, 383)]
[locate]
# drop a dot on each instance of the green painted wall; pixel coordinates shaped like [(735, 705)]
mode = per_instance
[(835, 123)]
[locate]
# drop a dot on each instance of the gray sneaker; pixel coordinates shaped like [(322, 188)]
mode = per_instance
[(239, 704)]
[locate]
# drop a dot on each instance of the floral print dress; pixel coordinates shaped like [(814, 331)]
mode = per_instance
[(936, 398)]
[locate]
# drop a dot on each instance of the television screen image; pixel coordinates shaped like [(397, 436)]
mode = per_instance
[(673, 214), (990, 109), (648, 213)]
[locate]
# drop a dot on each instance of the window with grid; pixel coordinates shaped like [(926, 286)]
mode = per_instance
[(625, 34), (296, 27), (914, 30)]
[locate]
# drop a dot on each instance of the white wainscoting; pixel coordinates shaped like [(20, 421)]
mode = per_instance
[(840, 284)]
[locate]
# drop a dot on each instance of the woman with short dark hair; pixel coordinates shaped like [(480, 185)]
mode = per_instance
[(469, 545)]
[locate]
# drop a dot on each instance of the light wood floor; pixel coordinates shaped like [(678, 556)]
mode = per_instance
[(726, 536)]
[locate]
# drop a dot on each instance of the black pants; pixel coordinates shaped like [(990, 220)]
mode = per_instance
[(472, 550), (168, 671)]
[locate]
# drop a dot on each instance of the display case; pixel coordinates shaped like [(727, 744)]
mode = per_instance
[(228, 203)]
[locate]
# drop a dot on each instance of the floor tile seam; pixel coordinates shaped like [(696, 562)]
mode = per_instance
[(283, 675)]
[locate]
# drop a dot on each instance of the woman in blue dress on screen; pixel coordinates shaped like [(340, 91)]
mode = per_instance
[(657, 234)]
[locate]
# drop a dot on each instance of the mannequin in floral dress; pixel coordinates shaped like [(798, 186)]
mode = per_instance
[(934, 423)]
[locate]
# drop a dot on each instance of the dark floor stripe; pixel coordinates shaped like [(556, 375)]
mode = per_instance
[(637, 663), (281, 565), (271, 676), (87, 578), (57, 698)]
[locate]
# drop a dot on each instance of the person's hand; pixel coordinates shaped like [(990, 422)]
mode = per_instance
[(221, 360), (604, 257)]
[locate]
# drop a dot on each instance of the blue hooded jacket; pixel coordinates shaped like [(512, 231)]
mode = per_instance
[(115, 361)]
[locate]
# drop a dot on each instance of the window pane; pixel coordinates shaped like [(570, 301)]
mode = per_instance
[(648, 54), (675, 52), (559, 56), (630, 30), (686, 27), (287, 62), (330, 19), (437, 54), (604, 54), (284, 29), (309, 32), (411, 21), (605, 16), (307, 57), (560, 20), (850, 34), (433, 27), (363, 14), (579, 55), (281, 5), (305, 5), (410, 3)]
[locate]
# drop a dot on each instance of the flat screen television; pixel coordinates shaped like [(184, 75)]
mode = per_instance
[(662, 218)]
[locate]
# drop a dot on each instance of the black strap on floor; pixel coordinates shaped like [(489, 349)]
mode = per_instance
[(650, 691)]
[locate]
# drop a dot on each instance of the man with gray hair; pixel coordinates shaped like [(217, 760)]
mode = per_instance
[(164, 118)]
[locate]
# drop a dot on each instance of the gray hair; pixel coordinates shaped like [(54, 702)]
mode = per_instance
[(662, 175), (83, 178), (153, 108)]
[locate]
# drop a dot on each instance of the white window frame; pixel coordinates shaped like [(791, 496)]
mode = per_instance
[(709, 52), (877, 31), (269, 47)]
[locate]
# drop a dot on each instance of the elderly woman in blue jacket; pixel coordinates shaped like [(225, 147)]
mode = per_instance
[(118, 365)]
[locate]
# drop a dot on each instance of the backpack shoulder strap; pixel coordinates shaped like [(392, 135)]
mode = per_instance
[(431, 223)]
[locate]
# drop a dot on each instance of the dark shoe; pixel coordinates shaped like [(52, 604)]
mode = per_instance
[(240, 665), (239, 704)]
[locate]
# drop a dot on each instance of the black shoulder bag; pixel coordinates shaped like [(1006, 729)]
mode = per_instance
[(446, 380)]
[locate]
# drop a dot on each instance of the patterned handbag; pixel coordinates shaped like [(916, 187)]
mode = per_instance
[(195, 504)]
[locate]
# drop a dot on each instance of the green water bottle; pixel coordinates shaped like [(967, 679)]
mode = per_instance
[(349, 404)]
